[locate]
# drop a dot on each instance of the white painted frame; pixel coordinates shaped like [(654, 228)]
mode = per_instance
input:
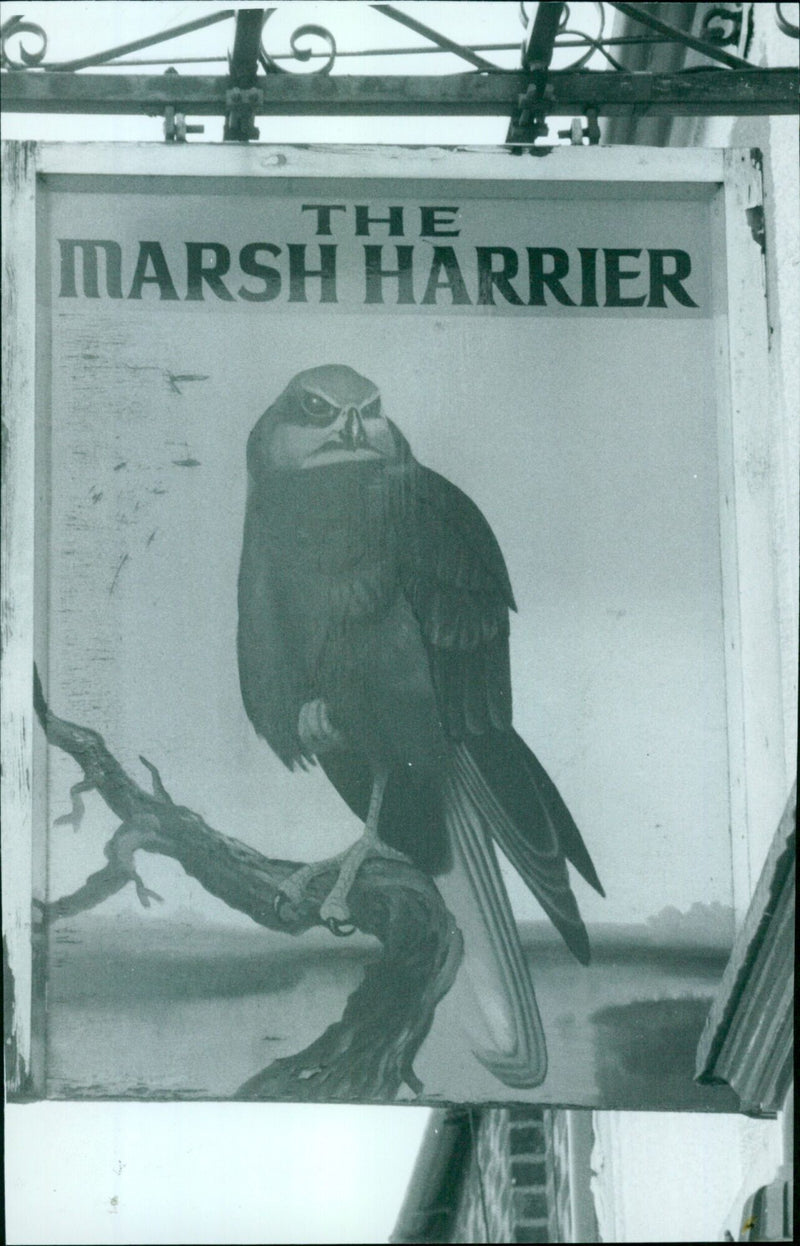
[(749, 475)]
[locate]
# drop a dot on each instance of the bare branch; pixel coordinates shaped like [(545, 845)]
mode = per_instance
[(369, 1053)]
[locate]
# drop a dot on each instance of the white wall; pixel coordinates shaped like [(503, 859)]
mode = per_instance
[(685, 1178)]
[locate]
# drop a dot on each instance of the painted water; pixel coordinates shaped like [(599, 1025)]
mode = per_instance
[(156, 1009)]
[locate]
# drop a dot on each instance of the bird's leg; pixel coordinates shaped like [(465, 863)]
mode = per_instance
[(334, 911), (292, 889), (317, 735)]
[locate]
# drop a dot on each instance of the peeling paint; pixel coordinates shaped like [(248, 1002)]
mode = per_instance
[(755, 220), (17, 1076), (19, 160)]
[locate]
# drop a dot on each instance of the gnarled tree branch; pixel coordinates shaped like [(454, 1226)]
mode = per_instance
[(368, 1054)]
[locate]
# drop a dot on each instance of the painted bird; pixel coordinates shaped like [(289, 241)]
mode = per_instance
[(374, 636)]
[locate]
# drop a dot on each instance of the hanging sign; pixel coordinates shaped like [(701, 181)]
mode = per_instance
[(380, 739)]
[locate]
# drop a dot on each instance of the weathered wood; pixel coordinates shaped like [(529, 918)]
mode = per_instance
[(191, 164), (369, 1053), (707, 91), (749, 501), (748, 1037), (16, 603)]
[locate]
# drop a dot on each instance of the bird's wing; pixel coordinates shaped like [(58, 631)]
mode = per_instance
[(268, 671), (455, 578), (457, 583)]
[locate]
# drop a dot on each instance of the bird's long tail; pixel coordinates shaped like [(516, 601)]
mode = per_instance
[(499, 1007), (496, 790)]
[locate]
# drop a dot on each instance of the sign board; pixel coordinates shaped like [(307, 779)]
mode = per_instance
[(377, 498)]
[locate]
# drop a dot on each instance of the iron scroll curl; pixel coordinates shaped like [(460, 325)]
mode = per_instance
[(788, 27), (18, 26), (270, 65)]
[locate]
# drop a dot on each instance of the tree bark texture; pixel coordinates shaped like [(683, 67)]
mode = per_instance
[(368, 1053)]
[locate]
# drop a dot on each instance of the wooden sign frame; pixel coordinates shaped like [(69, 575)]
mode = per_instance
[(732, 179)]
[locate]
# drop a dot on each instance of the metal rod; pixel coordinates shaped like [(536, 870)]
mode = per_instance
[(442, 41), (538, 51), (239, 120), (599, 46), (527, 120), (735, 92), (246, 44), (580, 42), (399, 51), (99, 57), (664, 28)]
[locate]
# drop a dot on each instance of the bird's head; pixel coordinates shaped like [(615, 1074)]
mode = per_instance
[(325, 416)]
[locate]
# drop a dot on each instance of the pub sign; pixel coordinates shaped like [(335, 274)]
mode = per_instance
[(379, 733)]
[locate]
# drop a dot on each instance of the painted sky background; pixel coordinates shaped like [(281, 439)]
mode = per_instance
[(66, 1161), (599, 485)]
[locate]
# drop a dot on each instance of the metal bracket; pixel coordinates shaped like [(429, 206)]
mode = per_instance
[(243, 97), (241, 107), (175, 126), (577, 132), (529, 121)]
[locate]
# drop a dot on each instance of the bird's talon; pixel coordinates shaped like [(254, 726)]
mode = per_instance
[(342, 930), (282, 902), (334, 912)]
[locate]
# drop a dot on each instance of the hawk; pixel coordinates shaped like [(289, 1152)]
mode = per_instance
[(373, 637)]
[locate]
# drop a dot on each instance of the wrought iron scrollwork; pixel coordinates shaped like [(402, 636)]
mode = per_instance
[(722, 25), (569, 37), (792, 29), (16, 26), (303, 55), (596, 42), (19, 26)]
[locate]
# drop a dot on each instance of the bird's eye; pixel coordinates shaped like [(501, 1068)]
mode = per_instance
[(318, 409), (372, 409)]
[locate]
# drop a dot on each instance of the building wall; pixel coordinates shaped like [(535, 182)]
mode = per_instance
[(707, 1167), (504, 1195)]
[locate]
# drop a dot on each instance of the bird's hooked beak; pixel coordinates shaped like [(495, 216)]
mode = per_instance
[(352, 435)]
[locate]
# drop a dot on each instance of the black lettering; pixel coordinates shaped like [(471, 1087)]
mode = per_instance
[(445, 264), (430, 218), (323, 211), (363, 221), (489, 277), (197, 272), (152, 253), (614, 276), (298, 273), (89, 248), (661, 280), (250, 266), (588, 276), (552, 279), (375, 274)]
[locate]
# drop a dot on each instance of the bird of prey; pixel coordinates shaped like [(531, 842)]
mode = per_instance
[(374, 637)]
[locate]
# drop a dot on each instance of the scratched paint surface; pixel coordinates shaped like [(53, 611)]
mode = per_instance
[(589, 443)]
